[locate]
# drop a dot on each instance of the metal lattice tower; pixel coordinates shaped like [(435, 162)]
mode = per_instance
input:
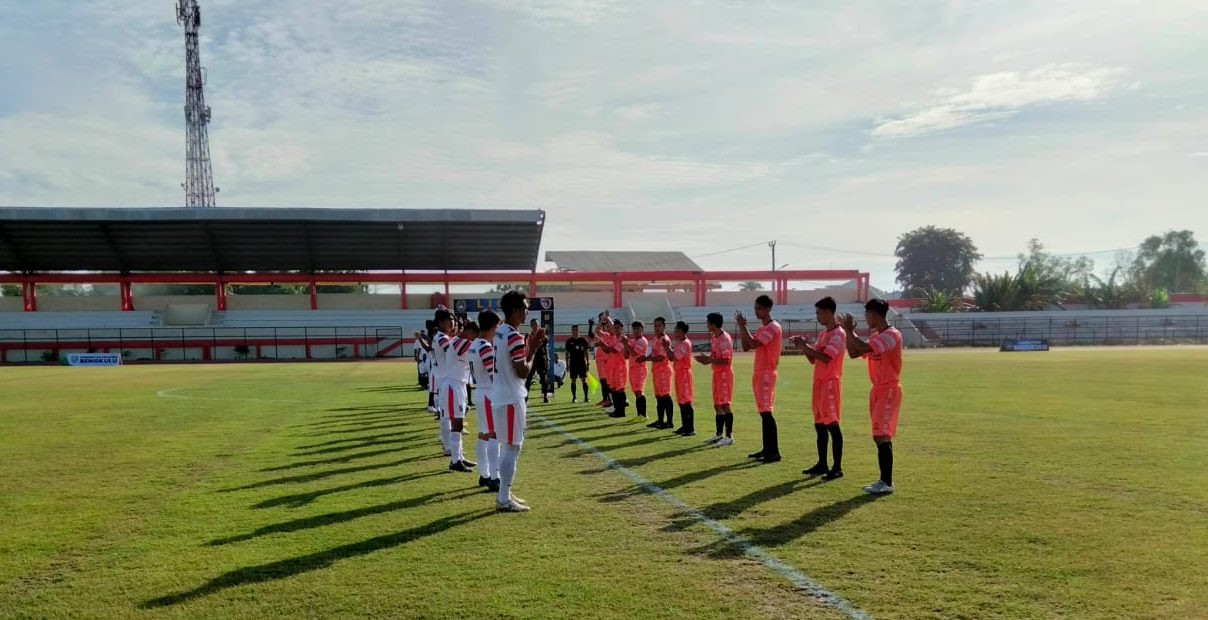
[(199, 178)]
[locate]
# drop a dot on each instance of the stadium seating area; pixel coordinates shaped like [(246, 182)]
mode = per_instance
[(1081, 327)]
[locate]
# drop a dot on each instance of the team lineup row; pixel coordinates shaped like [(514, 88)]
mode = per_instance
[(501, 363)]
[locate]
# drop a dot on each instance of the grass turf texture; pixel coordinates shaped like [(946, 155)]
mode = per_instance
[(1066, 484)]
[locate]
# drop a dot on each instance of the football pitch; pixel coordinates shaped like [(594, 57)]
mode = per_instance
[(1064, 484)]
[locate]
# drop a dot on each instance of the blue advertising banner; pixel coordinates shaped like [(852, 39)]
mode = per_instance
[(1011, 345)]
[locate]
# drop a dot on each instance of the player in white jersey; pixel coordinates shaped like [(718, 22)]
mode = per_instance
[(482, 365), (454, 351), (513, 363), (427, 357)]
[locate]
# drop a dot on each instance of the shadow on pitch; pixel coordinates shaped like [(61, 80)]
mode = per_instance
[(392, 389), (347, 458), (298, 500), (678, 481), (332, 518), (284, 569), (639, 461), (395, 434), (801, 527), (401, 439), (358, 429), (331, 473), (728, 510)]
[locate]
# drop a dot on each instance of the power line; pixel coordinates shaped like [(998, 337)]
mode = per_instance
[(745, 247)]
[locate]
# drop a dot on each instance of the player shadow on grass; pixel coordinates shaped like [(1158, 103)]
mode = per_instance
[(299, 500), (541, 431), (671, 483), (362, 419), (392, 389), (786, 533), (401, 439), (332, 518), (727, 510), (396, 434), (283, 569), (400, 424), (330, 473), (647, 439), (643, 460), (571, 442), (347, 458)]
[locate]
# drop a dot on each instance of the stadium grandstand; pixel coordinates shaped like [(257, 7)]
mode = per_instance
[(377, 252)]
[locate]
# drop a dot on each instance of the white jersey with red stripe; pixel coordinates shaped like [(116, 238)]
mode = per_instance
[(482, 363), (510, 347)]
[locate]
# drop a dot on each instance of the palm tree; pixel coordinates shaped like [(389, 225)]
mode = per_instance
[(749, 286)]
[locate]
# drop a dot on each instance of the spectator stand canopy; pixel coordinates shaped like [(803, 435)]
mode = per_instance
[(257, 245)]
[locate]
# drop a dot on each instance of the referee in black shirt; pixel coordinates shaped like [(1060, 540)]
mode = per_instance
[(576, 363)]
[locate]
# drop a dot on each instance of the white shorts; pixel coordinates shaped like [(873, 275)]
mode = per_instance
[(511, 420), (453, 400), (482, 405)]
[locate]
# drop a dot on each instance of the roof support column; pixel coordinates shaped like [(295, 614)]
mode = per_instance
[(127, 296), (533, 289), (618, 297), (402, 288), (220, 295), (29, 294), (314, 295)]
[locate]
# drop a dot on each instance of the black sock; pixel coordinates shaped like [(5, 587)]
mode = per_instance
[(837, 444), (641, 403), (669, 406), (689, 415), (720, 421), (771, 442), (606, 391), (729, 420), (574, 390), (431, 399), (885, 460), (822, 440), (619, 402)]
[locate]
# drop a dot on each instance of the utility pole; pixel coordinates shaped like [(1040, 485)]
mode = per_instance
[(772, 244)]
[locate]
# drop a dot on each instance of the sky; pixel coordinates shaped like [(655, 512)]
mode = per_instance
[(698, 126)]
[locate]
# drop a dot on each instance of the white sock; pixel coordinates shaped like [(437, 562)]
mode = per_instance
[(455, 447), (507, 472), (484, 463), (445, 433), (493, 457)]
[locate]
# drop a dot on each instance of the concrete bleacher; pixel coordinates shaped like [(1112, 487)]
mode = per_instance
[(1063, 328), (78, 320)]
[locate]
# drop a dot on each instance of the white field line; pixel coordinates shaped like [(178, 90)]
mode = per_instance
[(794, 576)]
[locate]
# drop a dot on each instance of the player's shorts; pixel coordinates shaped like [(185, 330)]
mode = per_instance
[(723, 386), (764, 386), (662, 379), (885, 403), (453, 400), (618, 374), (637, 377), (482, 405), (577, 371), (828, 398), (685, 390), (511, 421)]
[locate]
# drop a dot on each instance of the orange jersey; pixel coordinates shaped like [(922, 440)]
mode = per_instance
[(721, 349), (885, 361), (639, 347), (832, 342), (659, 349), (767, 356)]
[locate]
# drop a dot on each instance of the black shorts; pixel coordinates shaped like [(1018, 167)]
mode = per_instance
[(577, 372)]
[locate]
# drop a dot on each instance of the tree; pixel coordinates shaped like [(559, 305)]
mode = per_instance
[(1068, 271), (1114, 293), (935, 259), (1172, 261), (1025, 290), (939, 301), (172, 290), (10, 290), (750, 286)]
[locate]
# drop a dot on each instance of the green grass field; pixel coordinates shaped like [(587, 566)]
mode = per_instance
[(1065, 484)]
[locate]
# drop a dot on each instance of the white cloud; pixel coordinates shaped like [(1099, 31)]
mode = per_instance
[(999, 95), (1198, 154)]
